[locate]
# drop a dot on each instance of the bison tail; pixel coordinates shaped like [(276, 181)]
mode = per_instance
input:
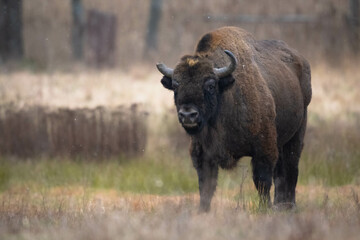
[(305, 82)]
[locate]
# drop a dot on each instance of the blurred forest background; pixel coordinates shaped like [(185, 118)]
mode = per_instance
[(124, 34), (89, 137)]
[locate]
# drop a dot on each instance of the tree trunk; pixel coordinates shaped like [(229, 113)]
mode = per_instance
[(11, 39), (354, 20), (77, 29), (153, 25), (354, 12)]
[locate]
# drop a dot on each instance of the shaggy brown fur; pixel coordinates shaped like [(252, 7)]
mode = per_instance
[(258, 111)]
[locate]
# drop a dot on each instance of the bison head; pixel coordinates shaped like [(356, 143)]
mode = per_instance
[(197, 87)]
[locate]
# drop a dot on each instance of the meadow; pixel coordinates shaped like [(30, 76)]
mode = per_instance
[(154, 195)]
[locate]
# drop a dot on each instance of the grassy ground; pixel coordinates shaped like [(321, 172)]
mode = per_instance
[(143, 175), (153, 199)]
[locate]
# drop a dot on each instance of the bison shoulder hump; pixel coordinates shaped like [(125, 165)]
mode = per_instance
[(204, 43)]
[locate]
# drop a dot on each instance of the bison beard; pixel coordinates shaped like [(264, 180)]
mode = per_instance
[(236, 97)]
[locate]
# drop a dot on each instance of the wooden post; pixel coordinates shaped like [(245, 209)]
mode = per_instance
[(77, 29)]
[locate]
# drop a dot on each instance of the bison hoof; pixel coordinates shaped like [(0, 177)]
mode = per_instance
[(204, 209), (286, 206)]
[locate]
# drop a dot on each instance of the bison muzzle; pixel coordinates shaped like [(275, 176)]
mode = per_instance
[(236, 97)]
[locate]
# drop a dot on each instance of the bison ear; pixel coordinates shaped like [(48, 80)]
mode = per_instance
[(167, 83), (226, 82)]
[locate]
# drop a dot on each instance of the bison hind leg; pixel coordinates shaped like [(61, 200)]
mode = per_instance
[(286, 170), (262, 177)]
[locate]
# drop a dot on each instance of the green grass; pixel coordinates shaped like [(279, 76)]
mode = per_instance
[(339, 169), (331, 155), (153, 176), (146, 175), (135, 175)]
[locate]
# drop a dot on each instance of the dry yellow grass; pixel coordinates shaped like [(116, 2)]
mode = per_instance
[(78, 213), (84, 89), (335, 90), (82, 199)]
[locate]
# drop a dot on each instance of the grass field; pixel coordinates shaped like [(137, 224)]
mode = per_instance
[(153, 199), (154, 196)]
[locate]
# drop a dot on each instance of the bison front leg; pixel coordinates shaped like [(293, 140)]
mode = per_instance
[(207, 173)]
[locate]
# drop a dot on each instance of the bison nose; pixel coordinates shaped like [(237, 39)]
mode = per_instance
[(188, 116)]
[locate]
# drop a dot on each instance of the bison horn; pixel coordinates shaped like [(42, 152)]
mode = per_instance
[(166, 71), (226, 71)]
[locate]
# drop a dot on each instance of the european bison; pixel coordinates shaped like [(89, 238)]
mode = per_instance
[(236, 97)]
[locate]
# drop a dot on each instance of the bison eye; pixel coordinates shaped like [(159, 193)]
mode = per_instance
[(175, 84), (210, 85)]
